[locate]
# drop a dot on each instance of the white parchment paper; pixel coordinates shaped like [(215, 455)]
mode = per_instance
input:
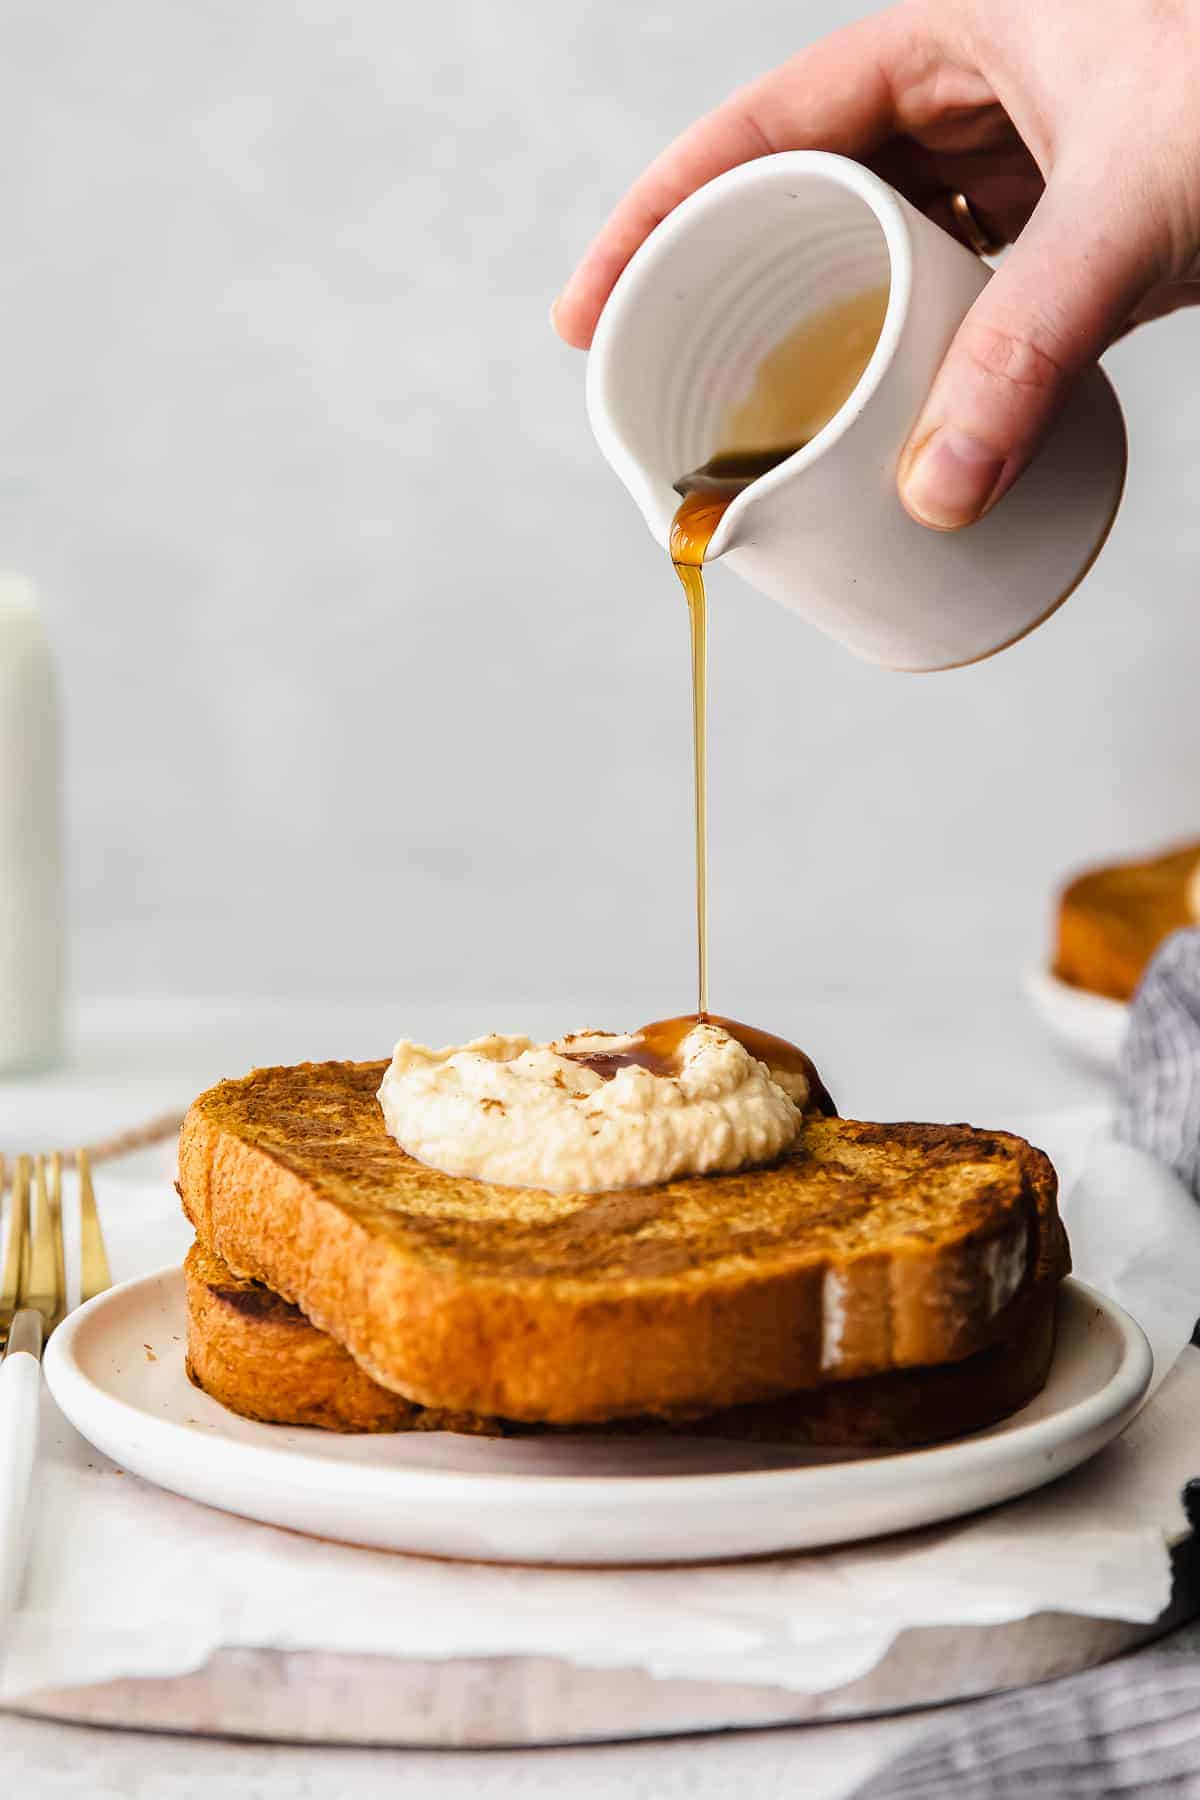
[(125, 1579)]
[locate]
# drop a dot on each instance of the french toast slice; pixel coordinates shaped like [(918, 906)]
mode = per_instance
[(1111, 920), (259, 1356), (866, 1248)]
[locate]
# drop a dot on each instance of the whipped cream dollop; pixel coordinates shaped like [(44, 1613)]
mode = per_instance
[(594, 1111)]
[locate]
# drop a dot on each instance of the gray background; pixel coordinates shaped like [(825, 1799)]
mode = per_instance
[(375, 683)]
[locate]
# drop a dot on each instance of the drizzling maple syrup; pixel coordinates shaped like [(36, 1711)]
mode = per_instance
[(692, 528), (797, 390), (657, 1048)]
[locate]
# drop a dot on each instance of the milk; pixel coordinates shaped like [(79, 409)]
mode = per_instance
[(31, 878)]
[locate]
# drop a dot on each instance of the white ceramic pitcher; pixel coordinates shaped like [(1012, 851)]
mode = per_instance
[(714, 289)]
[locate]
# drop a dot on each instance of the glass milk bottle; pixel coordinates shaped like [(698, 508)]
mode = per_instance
[(31, 879)]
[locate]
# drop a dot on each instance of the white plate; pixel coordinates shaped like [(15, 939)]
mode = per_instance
[(116, 1367), (580, 1500), (1091, 1026)]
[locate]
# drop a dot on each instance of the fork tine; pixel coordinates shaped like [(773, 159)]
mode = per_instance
[(14, 1255), (94, 1270), (56, 1227), (26, 1236), (41, 1290)]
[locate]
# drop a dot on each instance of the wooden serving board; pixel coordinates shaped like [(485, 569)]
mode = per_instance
[(508, 1701)]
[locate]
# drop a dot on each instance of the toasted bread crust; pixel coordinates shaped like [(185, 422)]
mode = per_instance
[(868, 1247), (1111, 920), (260, 1357)]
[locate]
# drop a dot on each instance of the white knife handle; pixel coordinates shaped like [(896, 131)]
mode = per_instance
[(20, 1399)]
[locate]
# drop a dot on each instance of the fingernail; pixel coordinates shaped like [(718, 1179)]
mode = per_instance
[(554, 311), (951, 478)]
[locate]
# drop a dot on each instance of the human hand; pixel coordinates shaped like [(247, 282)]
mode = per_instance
[(1071, 126)]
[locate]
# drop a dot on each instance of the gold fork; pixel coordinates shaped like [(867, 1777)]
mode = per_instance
[(33, 1300)]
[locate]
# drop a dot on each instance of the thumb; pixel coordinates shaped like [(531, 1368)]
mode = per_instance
[(1058, 299)]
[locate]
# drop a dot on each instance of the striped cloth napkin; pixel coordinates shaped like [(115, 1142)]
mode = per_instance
[(1132, 1728), (1158, 1106)]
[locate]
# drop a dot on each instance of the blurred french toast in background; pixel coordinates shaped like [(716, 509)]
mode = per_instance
[(1112, 919)]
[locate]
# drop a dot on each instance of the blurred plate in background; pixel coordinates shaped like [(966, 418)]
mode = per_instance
[(1091, 1026)]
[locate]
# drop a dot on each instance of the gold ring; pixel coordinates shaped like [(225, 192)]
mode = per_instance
[(969, 229)]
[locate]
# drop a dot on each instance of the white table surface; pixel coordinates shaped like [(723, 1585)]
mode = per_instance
[(961, 1047)]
